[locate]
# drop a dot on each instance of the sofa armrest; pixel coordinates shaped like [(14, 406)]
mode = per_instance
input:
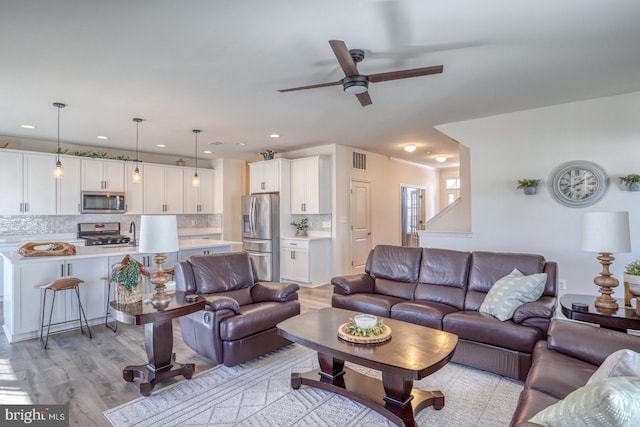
[(588, 343), (544, 308), (219, 302), (268, 291), (352, 284)]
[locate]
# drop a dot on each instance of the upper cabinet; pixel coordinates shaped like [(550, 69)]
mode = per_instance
[(198, 199), (102, 175), (266, 176), (68, 188), (134, 190), (35, 190), (163, 189), (310, 186)]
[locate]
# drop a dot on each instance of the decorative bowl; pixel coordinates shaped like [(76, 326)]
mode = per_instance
[(365, 321)]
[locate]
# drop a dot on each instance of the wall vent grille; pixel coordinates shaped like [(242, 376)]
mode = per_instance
[(359, 161)]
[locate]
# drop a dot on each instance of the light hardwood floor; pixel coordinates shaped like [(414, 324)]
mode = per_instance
[(87, 374)]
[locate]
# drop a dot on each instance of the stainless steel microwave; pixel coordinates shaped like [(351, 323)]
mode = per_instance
[(103, 202)]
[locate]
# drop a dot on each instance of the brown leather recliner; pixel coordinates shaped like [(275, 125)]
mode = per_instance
[(240, 317)]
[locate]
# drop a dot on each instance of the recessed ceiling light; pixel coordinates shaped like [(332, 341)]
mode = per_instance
[(441, 159), (410, 148), (274, 135), (102, 137), (160, 145), (240, 144), (27, 126), (207, 152)]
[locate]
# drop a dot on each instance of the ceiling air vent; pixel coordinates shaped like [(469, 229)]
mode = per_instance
[(359, 161)]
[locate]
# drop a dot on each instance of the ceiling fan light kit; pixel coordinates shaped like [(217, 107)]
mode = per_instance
[(355, 84)]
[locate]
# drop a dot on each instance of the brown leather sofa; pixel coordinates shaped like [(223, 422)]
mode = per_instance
[(444, 289), (565, 362), (240, 317)]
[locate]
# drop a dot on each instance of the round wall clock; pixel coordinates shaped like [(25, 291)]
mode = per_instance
[(578, 184)]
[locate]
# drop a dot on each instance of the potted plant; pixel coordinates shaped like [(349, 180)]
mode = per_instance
[(529, 186), (127, 274), (632, 181), (301, 226), (632, 283), (268, 154)]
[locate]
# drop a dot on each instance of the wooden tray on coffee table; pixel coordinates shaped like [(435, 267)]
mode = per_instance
[(343, 333)]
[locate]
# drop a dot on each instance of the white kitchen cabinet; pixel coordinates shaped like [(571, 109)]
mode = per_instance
[(30, 187), (310, 186), (163, 189), (268, 176), (25, 322), (198, 199), (68, 188), (102, 175), (134, 198), (304, 261), (186, 253)]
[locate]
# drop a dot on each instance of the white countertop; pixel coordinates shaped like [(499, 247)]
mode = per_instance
[(314, 235), (102, 251)]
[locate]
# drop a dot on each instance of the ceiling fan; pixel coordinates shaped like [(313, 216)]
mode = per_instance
[(357, 83)]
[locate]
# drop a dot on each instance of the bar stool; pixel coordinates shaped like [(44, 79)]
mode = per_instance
[(67, 284), (113, 326)]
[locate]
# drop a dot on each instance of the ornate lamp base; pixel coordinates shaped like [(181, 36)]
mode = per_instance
[(606, 282), (159, 279)]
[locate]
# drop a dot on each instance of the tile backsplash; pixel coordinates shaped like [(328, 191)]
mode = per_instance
[(13, 225)]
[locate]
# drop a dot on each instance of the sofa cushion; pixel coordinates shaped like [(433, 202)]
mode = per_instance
[(556, 373), (621, 363), (610, 402), (254, 318), (423, 313), (398, 263), (529, 404), (487, 267), (380, 305), (443, 276), (480, 327), (222, 272), (510, 292)]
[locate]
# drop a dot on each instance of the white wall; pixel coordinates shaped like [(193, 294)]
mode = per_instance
[(530, 144), (229, 186)]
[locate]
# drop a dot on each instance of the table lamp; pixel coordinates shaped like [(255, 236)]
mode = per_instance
[(605, 233), (159, 235)]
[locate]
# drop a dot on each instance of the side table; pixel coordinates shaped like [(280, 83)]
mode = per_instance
[(158, 338), (622, 319)]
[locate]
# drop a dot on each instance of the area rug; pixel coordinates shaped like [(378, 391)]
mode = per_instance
[(259, 393)]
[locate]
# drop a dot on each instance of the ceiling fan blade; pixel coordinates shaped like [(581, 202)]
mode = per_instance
[(405, 74), (364, 98), (344, 57), (291, 89)]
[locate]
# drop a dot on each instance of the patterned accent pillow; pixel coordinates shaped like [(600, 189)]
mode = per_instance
[(622, 363), (510, 292), (610, 402)]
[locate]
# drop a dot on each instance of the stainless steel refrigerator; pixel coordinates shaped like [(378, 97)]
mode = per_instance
[(261, 233)]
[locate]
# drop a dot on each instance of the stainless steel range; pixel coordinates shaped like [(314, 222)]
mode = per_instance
[(101, 234)]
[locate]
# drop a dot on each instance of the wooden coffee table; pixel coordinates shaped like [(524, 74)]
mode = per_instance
[(412, 353)]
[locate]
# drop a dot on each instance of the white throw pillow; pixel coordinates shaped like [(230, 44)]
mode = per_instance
[(622, 363), (510, 292), (612, 402)]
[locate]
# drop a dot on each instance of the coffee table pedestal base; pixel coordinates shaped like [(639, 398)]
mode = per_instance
[(370, 392)]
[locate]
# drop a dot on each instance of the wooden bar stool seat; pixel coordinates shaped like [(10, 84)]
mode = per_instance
[(66, 284)]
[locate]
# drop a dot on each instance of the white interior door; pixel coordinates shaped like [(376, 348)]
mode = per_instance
[(360, 224)]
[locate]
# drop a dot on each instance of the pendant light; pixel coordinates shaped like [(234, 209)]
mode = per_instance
[(137, 178), (58, 172), (196, 181)]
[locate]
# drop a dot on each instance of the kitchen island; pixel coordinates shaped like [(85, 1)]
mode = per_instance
[(21, 274)]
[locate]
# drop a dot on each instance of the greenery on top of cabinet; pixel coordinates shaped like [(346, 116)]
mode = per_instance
[(95, 155)]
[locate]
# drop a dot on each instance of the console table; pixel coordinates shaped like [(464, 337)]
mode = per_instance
[(622, 319), (158, 338)]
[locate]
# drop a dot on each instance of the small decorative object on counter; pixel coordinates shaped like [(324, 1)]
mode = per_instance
[(127, 274), (268, 154), (301, 227), (180, 162), (47, 249), (529, 186), (631, 181)]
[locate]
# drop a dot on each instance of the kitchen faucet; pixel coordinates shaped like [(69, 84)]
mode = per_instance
[(132, 228)]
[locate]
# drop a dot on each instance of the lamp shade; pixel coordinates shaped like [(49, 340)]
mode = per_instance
[(606, 232), (158, 234)]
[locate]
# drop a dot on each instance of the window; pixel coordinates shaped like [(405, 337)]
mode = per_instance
[(453, 184)]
